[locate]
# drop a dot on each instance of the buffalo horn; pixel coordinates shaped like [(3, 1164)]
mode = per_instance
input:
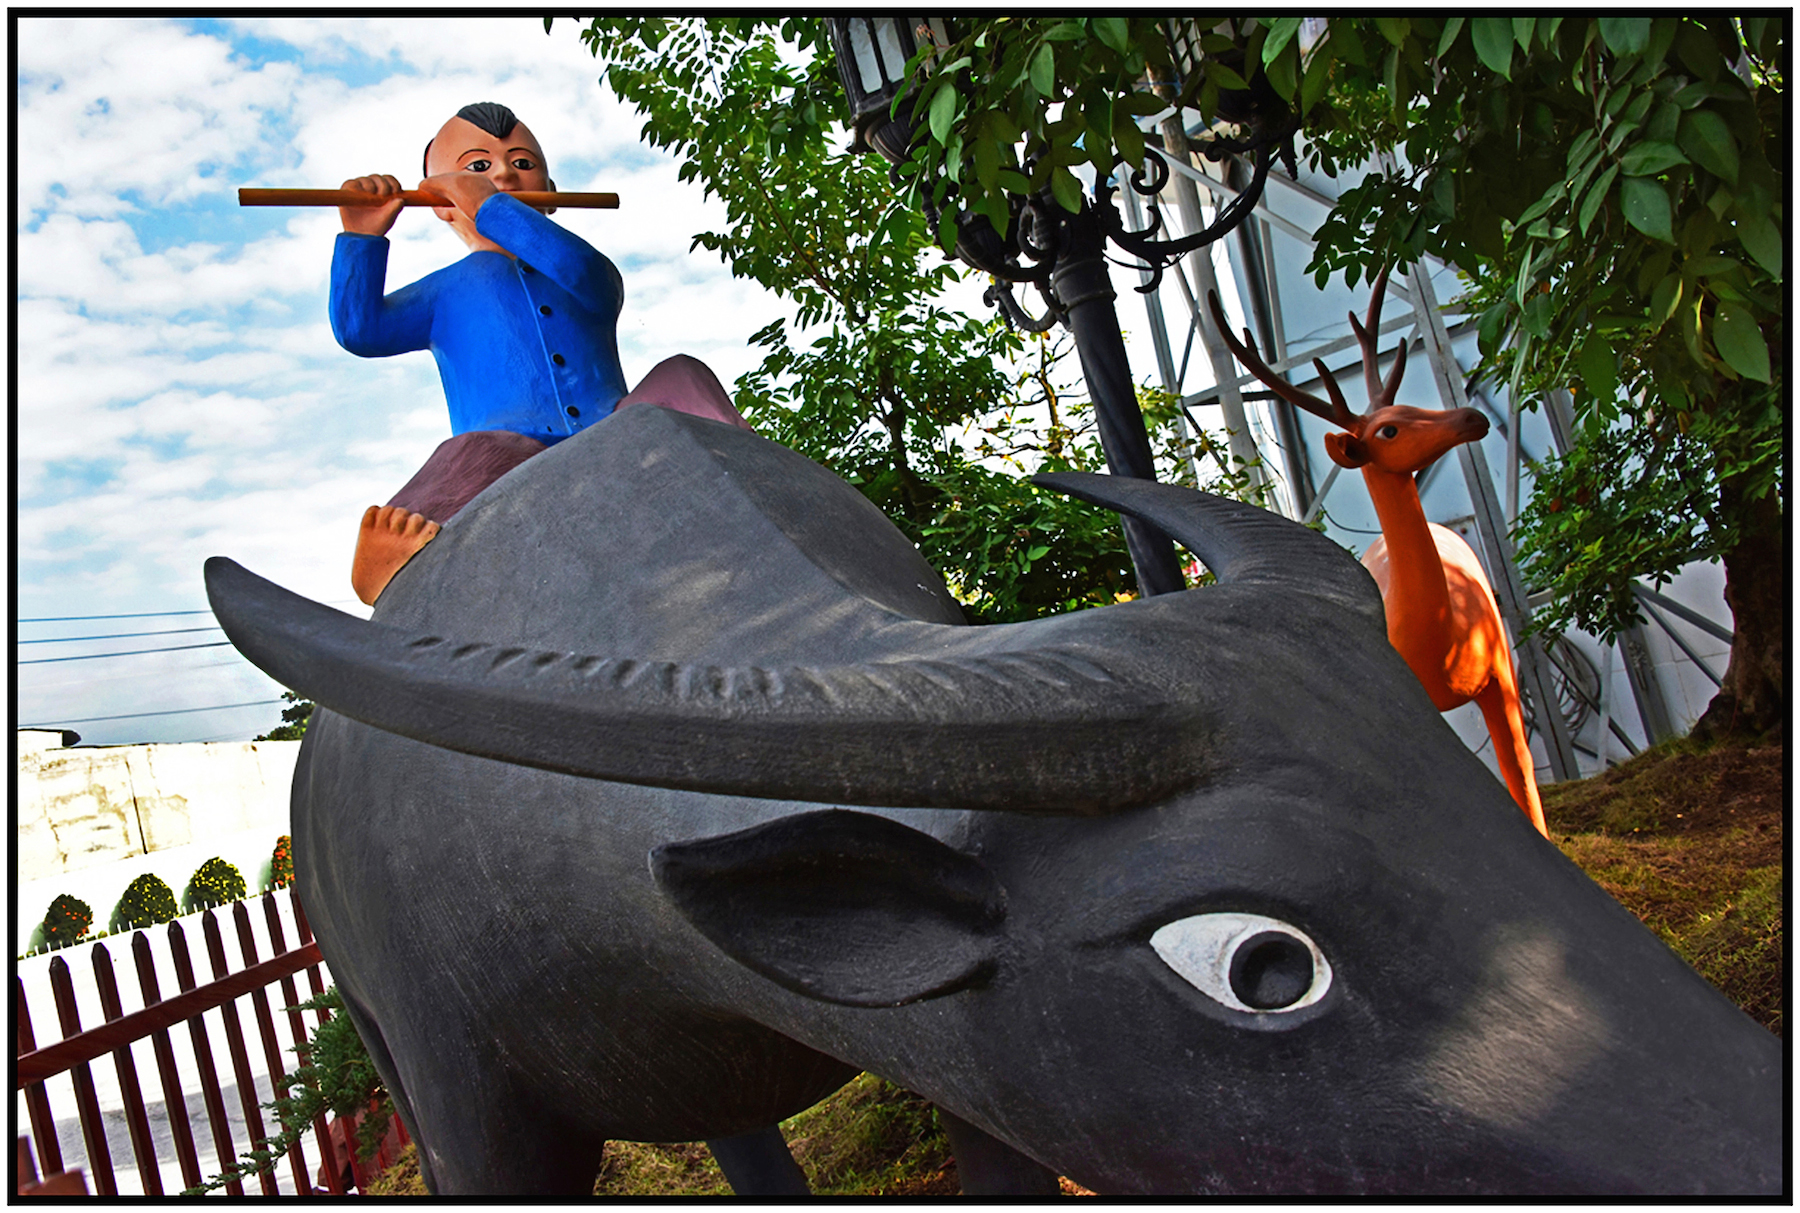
[(1241, 544), (1042, 731)]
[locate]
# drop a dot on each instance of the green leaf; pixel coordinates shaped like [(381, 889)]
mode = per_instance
[(1493, 40), (1065, 187), (1452, 27), (1740, 343), (1128, 138), (1762, 240), (942, 113), (987, 162), (1648, 158), (1646, 207), (1225, 77), (1284, 73), (1043, 70), (1066, 31), (1113, 31), (1522, 27), (1394, 29), (1316, 81), (1665, 299), (1625, 35), (1141, 103), (1596, 197), (1704, 136), (1281, 32), (1013, 181), (1599, 367), (1537, 315), (1542, 205)]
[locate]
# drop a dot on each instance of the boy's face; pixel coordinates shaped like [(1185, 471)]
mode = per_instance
[(513, 163)]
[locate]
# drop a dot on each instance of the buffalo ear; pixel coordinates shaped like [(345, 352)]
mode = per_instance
[(1346, 450), (843, 907)]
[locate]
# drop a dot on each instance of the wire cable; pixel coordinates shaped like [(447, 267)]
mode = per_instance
[(139, 615), (142, 614), (217, 644), (219, 707), (117, 635)]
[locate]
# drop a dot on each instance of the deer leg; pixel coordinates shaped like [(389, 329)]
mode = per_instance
[(1499, 703)]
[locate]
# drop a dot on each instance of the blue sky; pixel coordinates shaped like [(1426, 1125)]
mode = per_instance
[(180, 395)]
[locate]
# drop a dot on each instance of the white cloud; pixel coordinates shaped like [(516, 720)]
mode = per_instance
[(180, 394)]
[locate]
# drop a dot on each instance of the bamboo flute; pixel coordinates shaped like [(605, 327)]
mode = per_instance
[(262, 197)]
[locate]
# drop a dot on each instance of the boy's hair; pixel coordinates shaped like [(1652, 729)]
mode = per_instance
[(490, 116)]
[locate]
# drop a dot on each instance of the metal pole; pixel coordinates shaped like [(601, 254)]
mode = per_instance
[(1251, 263), (1159, 337), (1634, 643), (1081, 282), (1231, 401)]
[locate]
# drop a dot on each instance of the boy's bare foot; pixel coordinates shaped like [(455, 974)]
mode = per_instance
[(390, 535)]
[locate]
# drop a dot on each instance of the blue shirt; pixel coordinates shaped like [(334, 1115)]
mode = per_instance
[(527, 345)]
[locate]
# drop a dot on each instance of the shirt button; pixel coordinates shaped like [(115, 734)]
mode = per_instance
[(558, 359), (573, 411), (544, 308)]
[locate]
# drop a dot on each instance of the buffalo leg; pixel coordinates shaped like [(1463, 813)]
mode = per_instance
[(477, 1133), (988, 1166), (759, 1164), (376, 1047)]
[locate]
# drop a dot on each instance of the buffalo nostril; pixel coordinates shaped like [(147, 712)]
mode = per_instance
[(1271, 970)]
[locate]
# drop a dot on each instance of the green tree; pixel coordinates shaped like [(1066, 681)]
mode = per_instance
[(877, 377), (294, 719), (1610, 188)]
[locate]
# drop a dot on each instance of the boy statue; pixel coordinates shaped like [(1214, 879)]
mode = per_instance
[(524, 329)]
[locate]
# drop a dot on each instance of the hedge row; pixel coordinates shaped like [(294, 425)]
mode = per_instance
[(148, 900)]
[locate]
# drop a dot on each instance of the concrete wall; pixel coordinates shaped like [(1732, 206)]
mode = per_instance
[(91, 820)]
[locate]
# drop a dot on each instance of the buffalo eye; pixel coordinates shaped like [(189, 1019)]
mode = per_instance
[(1247, 962), (1388, 431)]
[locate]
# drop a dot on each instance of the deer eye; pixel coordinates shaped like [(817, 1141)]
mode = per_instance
[(1246, 961), (1387, 431)]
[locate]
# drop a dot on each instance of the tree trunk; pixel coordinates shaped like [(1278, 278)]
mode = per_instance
[(1753, 701)]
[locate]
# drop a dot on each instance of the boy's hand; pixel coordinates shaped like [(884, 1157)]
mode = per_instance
[(372, 220), (467, 190)]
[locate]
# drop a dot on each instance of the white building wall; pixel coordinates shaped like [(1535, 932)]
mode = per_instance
[(92, 819)]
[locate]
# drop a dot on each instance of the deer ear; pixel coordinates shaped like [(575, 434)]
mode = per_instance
[(1346, 450), (843, 907)]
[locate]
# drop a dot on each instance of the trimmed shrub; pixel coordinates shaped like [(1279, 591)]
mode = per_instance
[(215, 883), (147, 901), (67, 920), (281, 863)]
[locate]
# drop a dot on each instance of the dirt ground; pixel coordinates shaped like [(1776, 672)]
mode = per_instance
[(1691, 842)]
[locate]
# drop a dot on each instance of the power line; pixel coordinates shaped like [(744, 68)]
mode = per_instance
[(118, 636), (139, 615), (176, 648), (142, 614), (220, 707)]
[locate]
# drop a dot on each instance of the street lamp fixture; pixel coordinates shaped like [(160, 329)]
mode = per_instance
[(1064, 255)]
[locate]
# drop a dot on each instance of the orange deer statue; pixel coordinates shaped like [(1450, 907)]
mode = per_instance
[(1441, 613)]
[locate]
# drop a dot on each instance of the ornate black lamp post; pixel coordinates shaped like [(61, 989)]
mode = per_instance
[(1062, 255)]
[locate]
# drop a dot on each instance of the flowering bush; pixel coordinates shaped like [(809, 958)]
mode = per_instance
[(281, 863), (147, 901), (66, 921), (215, 883)]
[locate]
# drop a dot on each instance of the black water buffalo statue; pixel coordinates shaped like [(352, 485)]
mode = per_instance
[(668, 788)]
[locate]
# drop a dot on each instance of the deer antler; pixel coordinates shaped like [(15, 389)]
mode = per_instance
[(1368, 335), (1337, 412)]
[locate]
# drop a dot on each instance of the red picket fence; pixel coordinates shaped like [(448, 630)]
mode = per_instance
[(78, 1047)]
